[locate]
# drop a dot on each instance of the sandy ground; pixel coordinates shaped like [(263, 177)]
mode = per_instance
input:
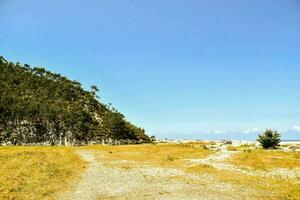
[(148, 182)]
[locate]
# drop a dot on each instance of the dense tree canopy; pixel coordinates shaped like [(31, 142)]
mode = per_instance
[(37, 106)]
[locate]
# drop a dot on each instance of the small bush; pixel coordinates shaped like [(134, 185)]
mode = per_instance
[(227, 142), (247, 151), (269, 139), (152, 138)]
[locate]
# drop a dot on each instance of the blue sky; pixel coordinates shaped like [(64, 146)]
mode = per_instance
[(179, 68)]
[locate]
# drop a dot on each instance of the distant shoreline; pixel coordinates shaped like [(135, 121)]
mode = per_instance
[(220, 140)]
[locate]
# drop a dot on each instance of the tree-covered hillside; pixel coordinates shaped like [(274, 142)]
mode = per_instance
[(37, 106)]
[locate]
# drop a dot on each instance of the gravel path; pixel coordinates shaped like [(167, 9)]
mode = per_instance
[(216, 160), (147, 182), (88, 187)]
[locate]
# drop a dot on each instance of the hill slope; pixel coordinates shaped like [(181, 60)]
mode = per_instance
[(37, 106)]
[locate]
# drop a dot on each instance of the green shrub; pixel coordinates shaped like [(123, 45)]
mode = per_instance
[(269, 139)]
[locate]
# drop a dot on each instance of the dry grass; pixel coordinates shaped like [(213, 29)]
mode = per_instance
[(43, 172), (148, 154), (245, 147), (173, 156), (259, 159), (231, 148), (37, 172), (266, 159), (266, 188)]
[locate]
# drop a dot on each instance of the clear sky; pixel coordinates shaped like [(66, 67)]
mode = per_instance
[(179, 68)]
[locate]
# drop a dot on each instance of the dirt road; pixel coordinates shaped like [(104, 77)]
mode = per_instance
[(146, 182)]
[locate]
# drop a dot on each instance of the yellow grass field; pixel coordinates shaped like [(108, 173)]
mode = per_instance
[(165, 155), (37, 172), (267, 159), (162, 171)]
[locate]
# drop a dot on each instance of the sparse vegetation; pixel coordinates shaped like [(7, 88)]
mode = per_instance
[(160, 154), (173, 156), (265, 160), (269, 139), (45, 172), (231, 148), (245, 147), (262, 188)]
